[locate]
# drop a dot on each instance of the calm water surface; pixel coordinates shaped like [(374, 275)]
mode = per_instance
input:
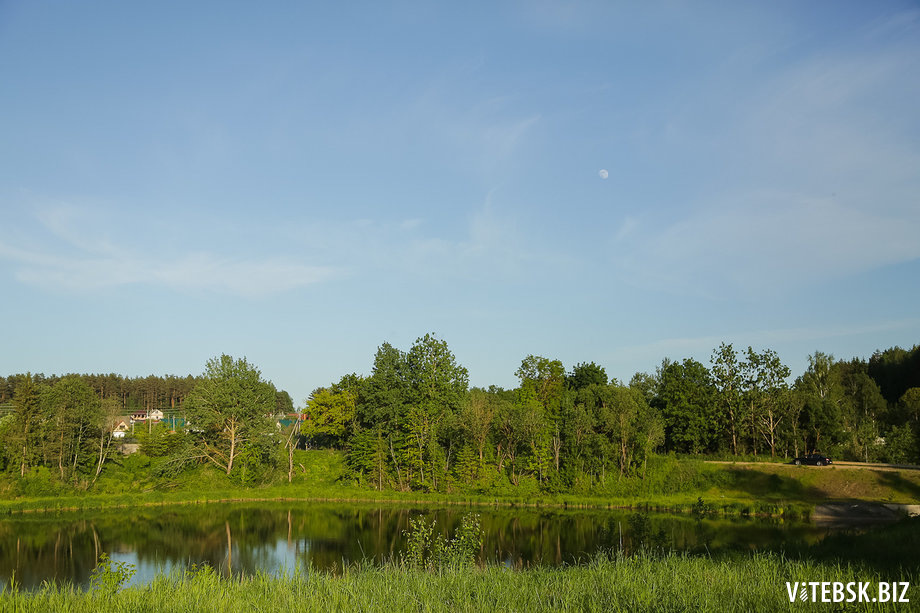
[(273, 537)]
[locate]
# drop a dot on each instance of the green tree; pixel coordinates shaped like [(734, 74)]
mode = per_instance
[(75, 418), (895, 370), (27, 423), (646, 384), (437, 382), (547, 379), (283, 403), (229, 409), (687, 398), (518, 426), (367, 455), (902, 439), (909, 407), (478, 419), (822, 392), (578, 432), (727, 377), (901, 445), (585, 374), (863, 409), (794, 400), (437, 392), (382, 404), (765, 381), (109, 411), (620, 422), (650, 435), (385, 394), (329, 413)]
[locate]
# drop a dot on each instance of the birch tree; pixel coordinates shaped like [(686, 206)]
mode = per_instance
[(229, 409)]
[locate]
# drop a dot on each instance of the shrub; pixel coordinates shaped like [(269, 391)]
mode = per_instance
[(434, 553), (108, 576), (39, 481)]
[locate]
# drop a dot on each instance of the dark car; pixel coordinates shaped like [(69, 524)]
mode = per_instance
[(815, 459)]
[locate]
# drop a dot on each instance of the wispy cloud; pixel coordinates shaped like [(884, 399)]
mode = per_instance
[(677, 348), (65, 256), (487, 245), (70, 248), (815, 178), (761, 242), (482, 128)]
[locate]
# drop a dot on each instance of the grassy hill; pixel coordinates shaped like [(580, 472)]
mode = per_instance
[(670, 483)]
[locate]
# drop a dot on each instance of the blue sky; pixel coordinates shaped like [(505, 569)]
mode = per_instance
[(299, 182)]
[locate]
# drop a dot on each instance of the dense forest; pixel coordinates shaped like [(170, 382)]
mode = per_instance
[(415, 423), (130, 394)]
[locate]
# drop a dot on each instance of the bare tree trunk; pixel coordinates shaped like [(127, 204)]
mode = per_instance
[(753, 429), (101, 456), (290, 445), (731, 416), (557, 449), (76, 454), (395, 463), (103, 453), (421, 460), (623, 456), (232, 448), (61, 456), (25, 449)]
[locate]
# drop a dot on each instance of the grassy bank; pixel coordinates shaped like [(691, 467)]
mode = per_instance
[(670, 484), (671, 583)]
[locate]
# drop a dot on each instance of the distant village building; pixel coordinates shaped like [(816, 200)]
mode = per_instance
[(122, 426), (143, 415)]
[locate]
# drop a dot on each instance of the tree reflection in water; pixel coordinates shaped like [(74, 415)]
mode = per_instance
[(271, 537)]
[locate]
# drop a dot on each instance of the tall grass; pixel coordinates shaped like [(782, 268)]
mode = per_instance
[(639, 583)]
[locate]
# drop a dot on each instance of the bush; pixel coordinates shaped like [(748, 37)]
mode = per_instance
[(901, 445), (39, 481), (108, 577), (163, 442), (434, 553)]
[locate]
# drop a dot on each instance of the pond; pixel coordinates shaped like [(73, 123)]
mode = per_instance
[(245, 538)]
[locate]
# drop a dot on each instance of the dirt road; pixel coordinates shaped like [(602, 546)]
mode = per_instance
[(856, 465)]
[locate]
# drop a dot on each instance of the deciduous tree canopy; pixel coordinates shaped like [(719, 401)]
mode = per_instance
[(230, 410)]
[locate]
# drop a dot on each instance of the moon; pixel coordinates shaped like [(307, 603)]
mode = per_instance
[(603, 174)]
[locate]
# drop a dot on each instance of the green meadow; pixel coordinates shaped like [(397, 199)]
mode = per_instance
[(670, 483)]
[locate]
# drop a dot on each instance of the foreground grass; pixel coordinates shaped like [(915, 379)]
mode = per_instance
[(641, 583)]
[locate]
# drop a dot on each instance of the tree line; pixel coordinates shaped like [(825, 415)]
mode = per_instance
[(414, 422), (130, 393), (66, 424)]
